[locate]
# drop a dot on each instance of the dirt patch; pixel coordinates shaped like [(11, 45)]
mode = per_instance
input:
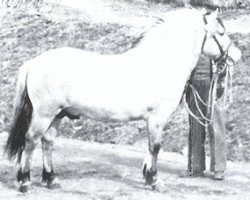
[(104, 171)]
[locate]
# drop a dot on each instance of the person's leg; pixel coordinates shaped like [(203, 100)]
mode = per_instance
[(196, 150), (217, 132), (197, 132), (200, 80)]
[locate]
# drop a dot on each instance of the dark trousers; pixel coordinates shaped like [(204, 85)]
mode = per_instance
[(201, 79)]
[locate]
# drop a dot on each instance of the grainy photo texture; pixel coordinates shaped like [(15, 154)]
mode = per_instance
[(124, 99)]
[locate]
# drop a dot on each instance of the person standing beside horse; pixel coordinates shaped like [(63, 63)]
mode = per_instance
[(200, 81)]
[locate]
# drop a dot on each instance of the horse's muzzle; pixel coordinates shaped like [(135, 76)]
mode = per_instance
[(234, 53)]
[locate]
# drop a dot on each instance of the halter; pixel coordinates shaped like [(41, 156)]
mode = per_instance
[(222, 52), (216, 71)]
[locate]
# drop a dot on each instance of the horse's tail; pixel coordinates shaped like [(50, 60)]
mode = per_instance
[(22, 117)]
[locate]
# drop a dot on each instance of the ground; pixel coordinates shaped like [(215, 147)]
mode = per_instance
[(109, 171), (89, 170)]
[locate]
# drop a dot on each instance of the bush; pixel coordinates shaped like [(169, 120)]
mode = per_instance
[(221, 3), (225, 4)]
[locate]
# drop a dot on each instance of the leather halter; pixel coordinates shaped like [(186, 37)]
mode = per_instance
[(214, 37), (203, 119)]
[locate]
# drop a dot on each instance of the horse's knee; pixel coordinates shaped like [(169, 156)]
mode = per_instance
[(155, 136)]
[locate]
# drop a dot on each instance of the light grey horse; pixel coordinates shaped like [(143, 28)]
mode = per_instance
[(145, 83)]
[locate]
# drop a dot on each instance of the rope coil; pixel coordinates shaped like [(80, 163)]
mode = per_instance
[(218, 68)]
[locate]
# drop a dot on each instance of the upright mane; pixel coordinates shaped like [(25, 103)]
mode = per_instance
[(175, 29), (137, 41)]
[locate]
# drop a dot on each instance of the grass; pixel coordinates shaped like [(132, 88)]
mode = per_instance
[(25, 34)]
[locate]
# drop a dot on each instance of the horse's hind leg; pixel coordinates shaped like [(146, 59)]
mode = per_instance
[(48, 175), (38, 127), (155, 130)]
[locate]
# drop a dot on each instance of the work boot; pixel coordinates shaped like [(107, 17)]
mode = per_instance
[(219, 175)]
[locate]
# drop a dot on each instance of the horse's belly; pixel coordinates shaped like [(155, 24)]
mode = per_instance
[(105, 114), (124, 107), (114, 100)]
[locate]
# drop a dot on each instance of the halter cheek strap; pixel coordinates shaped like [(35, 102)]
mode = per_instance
[(205, 37), (222, 53), (214, 37), (216, 40), (203, 42)]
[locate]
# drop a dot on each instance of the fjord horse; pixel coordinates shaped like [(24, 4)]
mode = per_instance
[(144, 83)]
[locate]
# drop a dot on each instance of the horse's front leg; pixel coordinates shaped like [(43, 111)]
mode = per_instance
[(48, 175), (155, 127)]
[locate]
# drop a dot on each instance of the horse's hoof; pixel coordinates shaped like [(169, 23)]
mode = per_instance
[(150, 177), (153, 186), (152, 181), (219, 175), (54, 184), (24, 188)]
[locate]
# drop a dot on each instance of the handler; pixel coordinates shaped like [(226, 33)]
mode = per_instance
[(200, 80)]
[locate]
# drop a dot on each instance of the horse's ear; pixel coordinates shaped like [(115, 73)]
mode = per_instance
[(204, 11)]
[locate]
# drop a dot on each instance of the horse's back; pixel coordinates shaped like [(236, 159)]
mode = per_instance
[(127, 83)]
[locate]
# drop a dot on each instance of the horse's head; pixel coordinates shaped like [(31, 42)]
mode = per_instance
[(216, 43)]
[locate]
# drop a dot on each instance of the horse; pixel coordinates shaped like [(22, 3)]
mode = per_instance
[(144, 83)]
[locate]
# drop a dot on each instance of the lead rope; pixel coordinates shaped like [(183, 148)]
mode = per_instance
[(228, 91), (196, 94), (198, 119), (210, 105), (212, 94), (227, 96)]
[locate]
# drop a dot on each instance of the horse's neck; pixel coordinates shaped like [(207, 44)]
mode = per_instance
[(176, 52)]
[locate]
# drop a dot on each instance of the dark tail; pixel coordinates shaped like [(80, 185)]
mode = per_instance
[(22, 117)]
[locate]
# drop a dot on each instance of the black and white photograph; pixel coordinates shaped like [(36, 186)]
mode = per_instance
[(124, 99)]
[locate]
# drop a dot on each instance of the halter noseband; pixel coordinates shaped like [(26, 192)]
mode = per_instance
[(222, 52)]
